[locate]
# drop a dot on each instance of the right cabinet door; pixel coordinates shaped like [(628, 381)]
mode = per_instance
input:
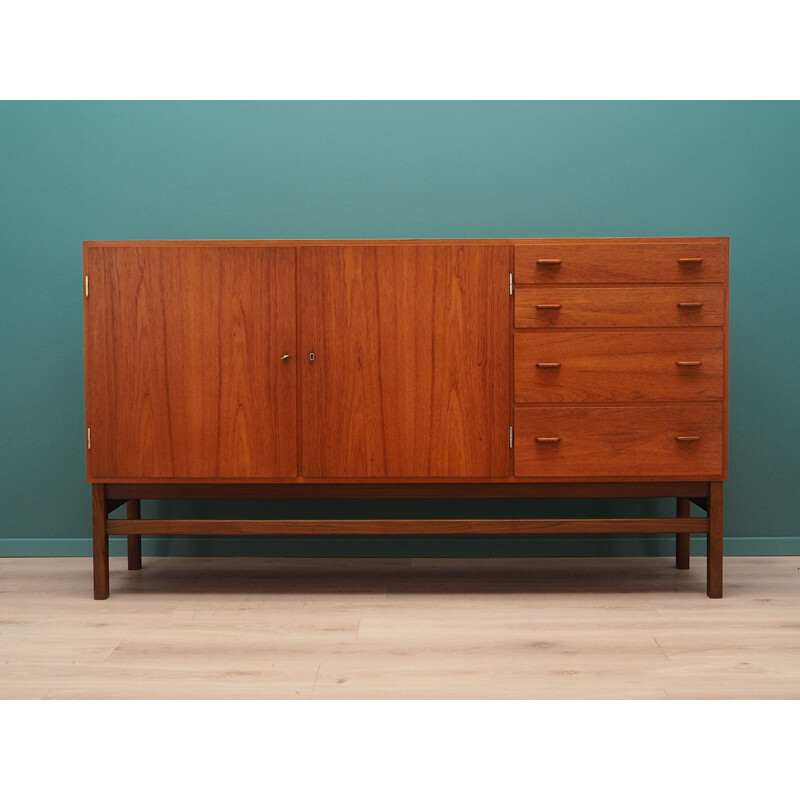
[(405, 361)]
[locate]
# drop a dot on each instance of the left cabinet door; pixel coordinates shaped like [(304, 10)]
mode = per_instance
[(185, 370)]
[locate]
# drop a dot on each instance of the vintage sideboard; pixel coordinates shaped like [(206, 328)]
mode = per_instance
[(474, 368)]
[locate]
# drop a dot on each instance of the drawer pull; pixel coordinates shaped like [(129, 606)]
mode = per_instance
[(548, 262), (688, 438), (548, 306), (548, 439), (690, 305), (690, 261), (689, 363), (548, 364)]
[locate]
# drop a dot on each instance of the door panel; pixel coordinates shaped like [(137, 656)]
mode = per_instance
[(184, 370), (411, 357)]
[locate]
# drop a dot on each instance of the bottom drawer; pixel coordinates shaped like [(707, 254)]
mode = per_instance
[(618, 441)]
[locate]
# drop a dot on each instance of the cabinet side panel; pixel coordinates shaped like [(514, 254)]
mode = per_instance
[(183, 362)]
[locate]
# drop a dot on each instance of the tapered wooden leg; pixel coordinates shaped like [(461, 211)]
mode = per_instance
[(682, 540), (100, 541), (134, 542), (714, 548)]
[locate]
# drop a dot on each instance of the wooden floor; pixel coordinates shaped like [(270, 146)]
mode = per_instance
[(609, 628)]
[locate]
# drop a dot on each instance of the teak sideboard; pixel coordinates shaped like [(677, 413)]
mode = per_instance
[(474, 368)]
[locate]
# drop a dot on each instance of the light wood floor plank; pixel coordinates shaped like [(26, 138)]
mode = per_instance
[(194, 628)]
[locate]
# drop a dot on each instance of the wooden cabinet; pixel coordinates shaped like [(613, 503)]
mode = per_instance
[(418, 368)]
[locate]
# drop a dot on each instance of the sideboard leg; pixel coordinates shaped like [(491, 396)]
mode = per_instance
[(682, 540), (100, 541), (714, 548), (134, 541)]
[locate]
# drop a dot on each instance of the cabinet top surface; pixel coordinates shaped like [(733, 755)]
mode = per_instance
[(376, 242)]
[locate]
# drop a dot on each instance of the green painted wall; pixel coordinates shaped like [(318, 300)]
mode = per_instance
[(71, 171)]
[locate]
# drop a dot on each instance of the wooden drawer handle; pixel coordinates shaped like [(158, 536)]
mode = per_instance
[(690, 305), (689, 363), (688, 438), (548, 439), (548, 364), (690, 260), (548, 306), (548, 262)]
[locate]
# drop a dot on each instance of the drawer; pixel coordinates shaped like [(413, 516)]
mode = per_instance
[(619, 306), (621, 262), (681, 440), (618, 366)]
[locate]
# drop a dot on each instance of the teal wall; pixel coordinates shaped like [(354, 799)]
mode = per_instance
[(172, 170)]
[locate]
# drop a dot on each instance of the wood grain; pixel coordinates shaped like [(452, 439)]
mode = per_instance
[(392, 527), (683, 540), (183, 362), (261, 628), (617, 366), (360, 490), (412, 382), (134, 511), (619, 306), (599, 261), (100, 567), (714, 541), (618, 440), (410, 370)]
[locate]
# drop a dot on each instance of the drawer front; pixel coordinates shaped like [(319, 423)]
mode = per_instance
[(618, 366), (618, 441), (619, 306), (620, 262)]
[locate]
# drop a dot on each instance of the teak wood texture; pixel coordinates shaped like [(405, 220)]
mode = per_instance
[(619, 306), (183, 362), (470, 367), (617, 366), (620, 440), (622, 261), (411, 356)]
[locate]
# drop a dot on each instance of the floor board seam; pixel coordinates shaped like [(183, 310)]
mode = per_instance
[(662, 649)]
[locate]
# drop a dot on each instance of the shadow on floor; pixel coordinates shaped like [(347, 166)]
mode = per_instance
[(253, 576)]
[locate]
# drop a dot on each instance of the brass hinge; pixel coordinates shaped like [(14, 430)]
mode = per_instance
[(88, 438), (510, 283), (86, 285), (511, 436)]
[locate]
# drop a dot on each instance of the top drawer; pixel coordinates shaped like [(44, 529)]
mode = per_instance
[(621, 262)]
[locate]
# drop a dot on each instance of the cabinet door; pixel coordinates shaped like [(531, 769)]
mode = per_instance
[(410, 369), (184, 370)]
